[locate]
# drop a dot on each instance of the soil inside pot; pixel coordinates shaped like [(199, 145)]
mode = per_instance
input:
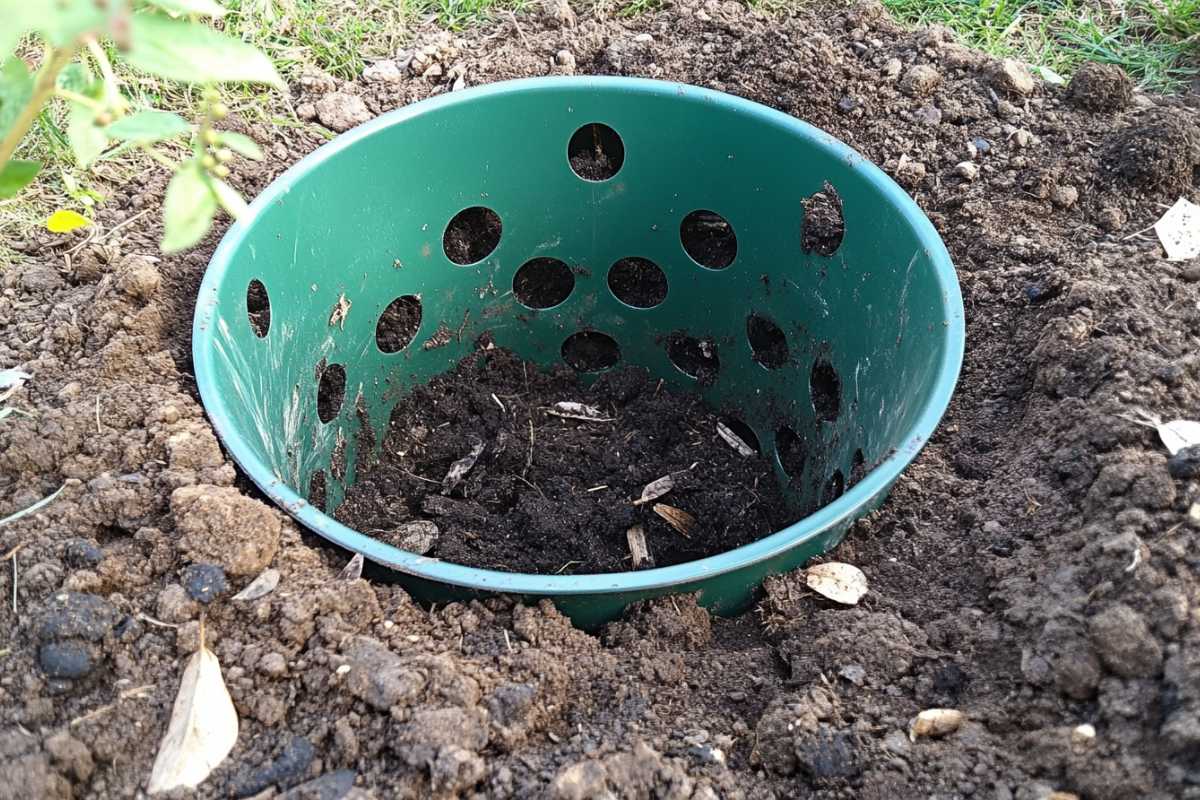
[(548, 493)]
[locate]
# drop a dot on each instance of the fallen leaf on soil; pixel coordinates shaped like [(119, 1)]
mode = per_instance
[(935, 722), (416, 537), (460, 468), (733, 440), (637, 547), (841, 583), (580, 411), (1179, 230), (202, 730), (11, 380), (353, 570), (656, 489), (1175, 435), (677, 518), (65, 221), (261, 586)]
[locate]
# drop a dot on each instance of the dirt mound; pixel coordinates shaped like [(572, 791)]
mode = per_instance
[(1035, 568)]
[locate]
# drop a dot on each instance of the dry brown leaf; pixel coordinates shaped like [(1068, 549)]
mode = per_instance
[(261, 586), (459, 469), (353, 570), (935, 722), (734, 441), (202, 730), (656, 489), (640, 553), (579, 411), (841, 583), (417, 537), (677, 518)]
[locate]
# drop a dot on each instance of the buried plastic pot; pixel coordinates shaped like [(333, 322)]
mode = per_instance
[(376, 262)]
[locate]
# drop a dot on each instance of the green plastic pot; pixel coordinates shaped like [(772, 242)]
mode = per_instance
[(854, 348)]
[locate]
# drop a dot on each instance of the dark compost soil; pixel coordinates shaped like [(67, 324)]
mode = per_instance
[(553, 494), (1035, 568)]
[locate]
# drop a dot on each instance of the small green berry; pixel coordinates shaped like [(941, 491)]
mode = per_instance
[(221, 171), (210, 136), (208, 162), (219, 111), (224, 155)]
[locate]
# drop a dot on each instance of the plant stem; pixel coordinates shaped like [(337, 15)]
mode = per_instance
[(83, 100), (42, 89), (159, 157), (111, 91)]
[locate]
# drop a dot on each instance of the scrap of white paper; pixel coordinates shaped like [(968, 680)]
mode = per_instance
[(1179, 230)]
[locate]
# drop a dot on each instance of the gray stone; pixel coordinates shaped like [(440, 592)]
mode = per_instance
[(70, 660)]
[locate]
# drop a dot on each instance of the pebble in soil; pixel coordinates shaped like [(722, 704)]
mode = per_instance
[(548, 494)]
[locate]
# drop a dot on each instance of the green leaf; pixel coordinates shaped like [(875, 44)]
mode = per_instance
[(75, 77), (148, 126), (205, 8), (229, 198), (61, 24), (16, 87), (192, 53), (16, 175), (188, 208), (86, 137), (240, 144)]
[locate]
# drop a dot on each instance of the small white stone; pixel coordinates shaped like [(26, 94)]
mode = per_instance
[(967, 170)]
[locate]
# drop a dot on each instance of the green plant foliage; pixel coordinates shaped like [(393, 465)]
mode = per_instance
[(147, 127), (188, 209), (164, 38)]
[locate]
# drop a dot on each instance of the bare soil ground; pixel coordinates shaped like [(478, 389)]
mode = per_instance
[(1036, 568)]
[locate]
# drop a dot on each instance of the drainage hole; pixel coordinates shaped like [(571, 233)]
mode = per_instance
[(398, 324), (792, 452), (638, 282), (258, 308), (834, 488), (543, 283), (596, 152), (743, 431), (695, 357), (590, 351), (826, 388), (824, 226), (767, 341), (858, 467), (472, 235), (708, 239), (331, 391), (317, 490)]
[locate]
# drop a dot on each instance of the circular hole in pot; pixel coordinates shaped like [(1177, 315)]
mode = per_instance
[(826, 388), (792, 452), (767, 341), (834, 487), (472, 235), (708, 239), (317, 490), (596, 152), (638, 282), (824, 226), (743, 432), (258, 308), (695, 357), (590, 351), (331, 391), (543, 283), (398, 324)]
